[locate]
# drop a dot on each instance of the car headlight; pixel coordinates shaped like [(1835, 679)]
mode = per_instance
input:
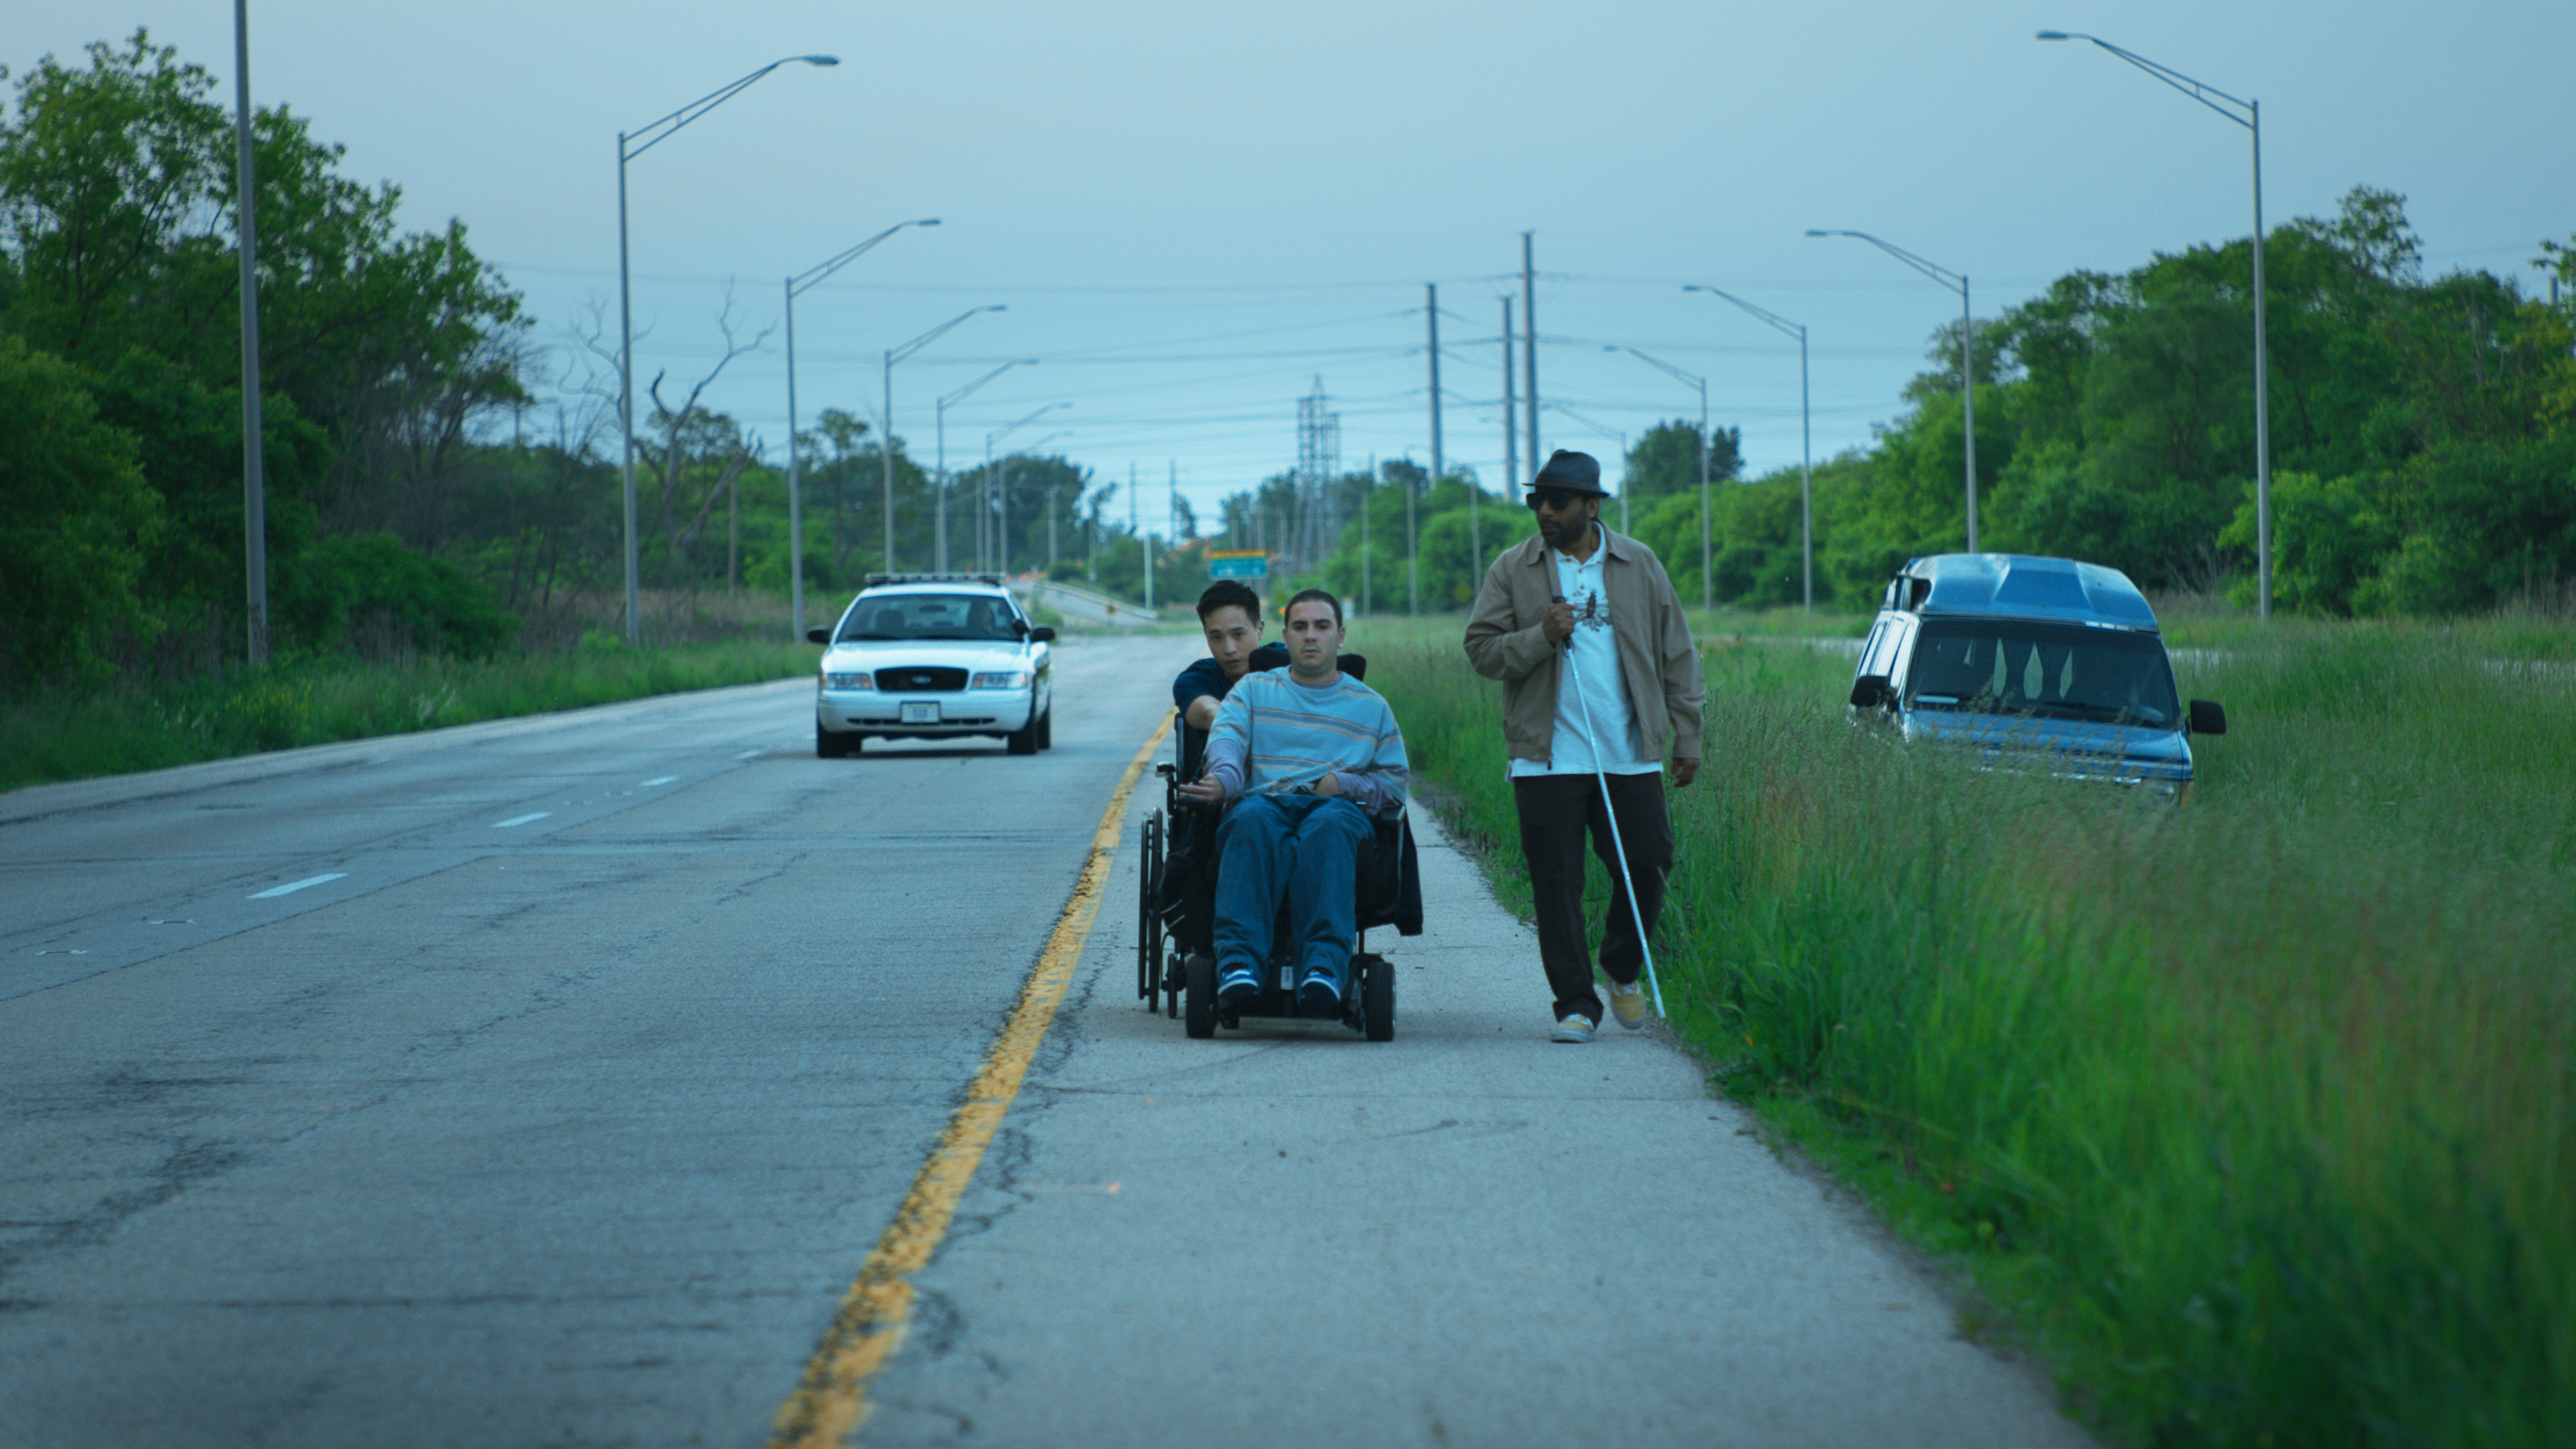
[(1009, 679), (846, 681)]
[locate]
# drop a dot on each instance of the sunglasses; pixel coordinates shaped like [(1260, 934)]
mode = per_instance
[(1555, 500)]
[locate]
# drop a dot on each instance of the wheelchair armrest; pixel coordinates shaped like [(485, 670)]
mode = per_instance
[(1167, 769)]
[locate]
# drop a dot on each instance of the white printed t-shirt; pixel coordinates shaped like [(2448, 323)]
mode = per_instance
[(1604, 688)]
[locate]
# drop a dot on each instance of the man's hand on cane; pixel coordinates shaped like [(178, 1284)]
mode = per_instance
[(1558, 625)]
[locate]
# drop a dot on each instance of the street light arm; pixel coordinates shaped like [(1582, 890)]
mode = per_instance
[(2170, 76), (669, 125), (1760, 313), (1941, 274), (804, 282), (1553, 406), (898, 354), (954, 398), (1684, 378), (992, 438)]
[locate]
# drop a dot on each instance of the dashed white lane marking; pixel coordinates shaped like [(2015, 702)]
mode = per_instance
[(751, 754), (515, 821), (291, 887), (662, 780)]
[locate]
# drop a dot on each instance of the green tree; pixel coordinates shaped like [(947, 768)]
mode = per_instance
[(77, 522), (1666, 461), (117, 208)]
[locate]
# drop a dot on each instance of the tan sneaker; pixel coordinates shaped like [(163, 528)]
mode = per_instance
[(1573, 1027), (1628, 1003)]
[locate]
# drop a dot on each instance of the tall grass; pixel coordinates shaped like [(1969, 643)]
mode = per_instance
[(68, 735), (2258, 1116)]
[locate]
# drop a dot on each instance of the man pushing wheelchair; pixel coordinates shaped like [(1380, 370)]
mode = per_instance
[(1309, 757)]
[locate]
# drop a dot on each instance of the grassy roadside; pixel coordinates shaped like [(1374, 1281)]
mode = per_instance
[(2256, 1119), (67, 735)]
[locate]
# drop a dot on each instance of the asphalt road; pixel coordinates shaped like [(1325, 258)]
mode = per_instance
[(545, 1083)]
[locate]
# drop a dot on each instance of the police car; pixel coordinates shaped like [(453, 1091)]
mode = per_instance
[(933, 657)]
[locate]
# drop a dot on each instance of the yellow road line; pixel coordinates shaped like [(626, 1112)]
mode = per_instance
[(830, 1402)]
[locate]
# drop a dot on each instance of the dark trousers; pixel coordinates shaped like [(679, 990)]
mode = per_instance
[(1555, 812)]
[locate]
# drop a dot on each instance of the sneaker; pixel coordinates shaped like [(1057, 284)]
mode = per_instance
[(1320, 995), (1628, 1004), (1238, 988), (1574, 1027)]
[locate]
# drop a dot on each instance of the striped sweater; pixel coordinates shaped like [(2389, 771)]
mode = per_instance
[(1274, 735)]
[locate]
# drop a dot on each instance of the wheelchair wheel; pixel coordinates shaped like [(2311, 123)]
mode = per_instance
[(1377, 997), (1149, 923), (1200, 991)]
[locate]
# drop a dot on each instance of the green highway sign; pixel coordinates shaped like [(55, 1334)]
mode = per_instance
[(1251, 564)]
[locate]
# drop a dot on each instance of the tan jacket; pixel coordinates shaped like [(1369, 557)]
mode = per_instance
[(1656, 656)]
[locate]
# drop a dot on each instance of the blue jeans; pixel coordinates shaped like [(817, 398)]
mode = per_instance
[(1305, 847)]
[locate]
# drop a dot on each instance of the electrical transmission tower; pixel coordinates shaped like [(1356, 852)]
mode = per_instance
[(1319, 464)]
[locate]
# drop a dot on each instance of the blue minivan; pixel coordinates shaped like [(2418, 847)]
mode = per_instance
[(2036, 665)]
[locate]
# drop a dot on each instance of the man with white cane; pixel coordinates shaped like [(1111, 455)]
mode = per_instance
[(1600, 683)]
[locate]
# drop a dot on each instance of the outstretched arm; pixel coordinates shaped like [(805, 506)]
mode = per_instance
[(1222, 770)]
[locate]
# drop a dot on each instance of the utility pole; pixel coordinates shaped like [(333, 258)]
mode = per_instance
[(1136, 526), (1368, 598), (254, 465), (1051, 491), (1511, 419), (1529, 348), (1412, 540), (1172, 505)]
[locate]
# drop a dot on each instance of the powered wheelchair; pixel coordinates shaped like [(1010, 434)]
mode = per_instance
[(1176, 908)]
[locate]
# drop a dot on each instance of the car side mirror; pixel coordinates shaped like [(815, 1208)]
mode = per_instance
[(818, 636), (1871, 691), (2208, 717), (1042, 634)]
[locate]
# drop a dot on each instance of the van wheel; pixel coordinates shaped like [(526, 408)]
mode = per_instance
[(830, 746), (1023, 741), (1046, 729)]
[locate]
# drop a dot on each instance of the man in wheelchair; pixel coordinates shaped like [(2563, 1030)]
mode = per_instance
[(1308, 757)]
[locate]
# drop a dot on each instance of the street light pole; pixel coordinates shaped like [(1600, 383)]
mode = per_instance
[(2252, 121), (1956, 282), (246, 219), (1002, 545), (795, 476), (652, 135), (1707, 571), (885, 445), (954, 398), (1806, 439)]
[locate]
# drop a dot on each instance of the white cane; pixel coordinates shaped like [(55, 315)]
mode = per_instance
[(1591, 742)]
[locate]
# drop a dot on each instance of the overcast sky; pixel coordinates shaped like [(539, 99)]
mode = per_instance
[(1192, 212)]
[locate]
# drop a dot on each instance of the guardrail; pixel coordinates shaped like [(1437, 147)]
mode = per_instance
[(1088, 605)]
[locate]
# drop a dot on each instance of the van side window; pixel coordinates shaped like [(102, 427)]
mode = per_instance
[(1880, 651)]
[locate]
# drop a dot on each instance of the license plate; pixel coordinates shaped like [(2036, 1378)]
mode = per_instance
[(923, 712)]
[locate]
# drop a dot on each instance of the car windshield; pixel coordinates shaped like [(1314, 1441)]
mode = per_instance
[(930, 616), (2063, 671)]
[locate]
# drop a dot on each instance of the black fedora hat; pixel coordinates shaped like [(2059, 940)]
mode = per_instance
[(1571, 471)]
